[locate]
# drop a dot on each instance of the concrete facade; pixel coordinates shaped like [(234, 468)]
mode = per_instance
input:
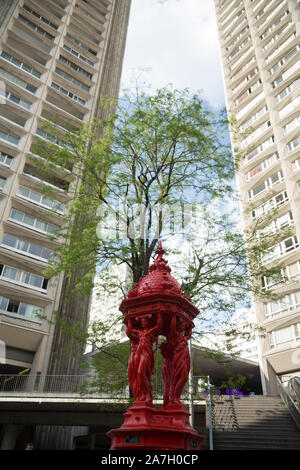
[(260, 51)]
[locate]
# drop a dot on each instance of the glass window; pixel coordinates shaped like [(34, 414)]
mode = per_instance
[(3, 303), (9, 240), (35, 250), (29, 220), (16, 215), (284, 335), (13, 306), (23, 245)]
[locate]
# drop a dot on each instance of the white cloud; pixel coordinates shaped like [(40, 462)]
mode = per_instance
[(178, 41)]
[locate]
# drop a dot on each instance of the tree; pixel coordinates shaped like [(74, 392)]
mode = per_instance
[(160, 167)]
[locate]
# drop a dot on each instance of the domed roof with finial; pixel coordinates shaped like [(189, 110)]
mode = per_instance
[(159, 279)]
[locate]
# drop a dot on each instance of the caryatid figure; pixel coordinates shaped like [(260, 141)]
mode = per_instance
[(141, 361), (177, 362)]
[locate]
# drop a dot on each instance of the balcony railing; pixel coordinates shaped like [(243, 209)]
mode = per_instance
[(74, 385), (291, 397)]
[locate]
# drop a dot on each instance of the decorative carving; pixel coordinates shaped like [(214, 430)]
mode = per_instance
[(141, 361), (176, 365)]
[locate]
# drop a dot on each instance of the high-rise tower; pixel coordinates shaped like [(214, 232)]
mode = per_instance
[(259, 42), (56, 58)]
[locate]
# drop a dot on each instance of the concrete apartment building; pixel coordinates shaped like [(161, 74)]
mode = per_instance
[(56, 58), (260, 51)]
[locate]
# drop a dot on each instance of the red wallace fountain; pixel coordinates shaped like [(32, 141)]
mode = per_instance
[(157, 306)]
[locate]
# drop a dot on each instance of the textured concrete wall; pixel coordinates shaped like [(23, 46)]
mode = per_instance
[(7, 8), (78, 309)]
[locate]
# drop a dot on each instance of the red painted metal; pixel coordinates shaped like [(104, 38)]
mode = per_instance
[(157, 306)]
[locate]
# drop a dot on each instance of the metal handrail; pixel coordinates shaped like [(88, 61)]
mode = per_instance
[(289, 401), (86, 385)]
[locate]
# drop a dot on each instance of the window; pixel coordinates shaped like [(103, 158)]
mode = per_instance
[(285, 220), (24, 278), (287, 90), (89, 14), (280, 48), (262, 166), (20, 309), (284, 336), (273, 25), (17, 81), (284, 60), (272, 203), (5, 159), (68, 93), (75, 67), (80, 43), (293, 144), (40, 17), (17, 100), (291, 125), (80, 56), (266, 184), (281, 249), (32, 222), (12, 139), (280, 306), (20, 65), (36, 28), (255, 134), (254, 118), (27, 248), (72, 79), (267, 143), (2, 182), (39, 199), (286, 274)]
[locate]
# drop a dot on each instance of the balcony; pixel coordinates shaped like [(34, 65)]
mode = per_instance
[(26, 248), (260, 149), (289, 108), (40, 199), (18, 309), (249, 92), (23, 278), (274, 26), (265, 185), (254, 118), (281, 249), (287, 91), (21, 65), (286, 220), (286, 59), (81, 44), (97, 18), (285, 304), (237, 38), (271, 204), (280, 48), (289, 127), (33, 223), (264, 165), (271, 15)]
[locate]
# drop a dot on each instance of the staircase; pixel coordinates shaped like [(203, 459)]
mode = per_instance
[(253, 423)]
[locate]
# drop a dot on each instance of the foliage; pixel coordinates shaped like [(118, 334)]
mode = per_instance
[(130, 179)]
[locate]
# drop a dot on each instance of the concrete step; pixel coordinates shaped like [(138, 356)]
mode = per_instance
[(257, 446), (263, 423)]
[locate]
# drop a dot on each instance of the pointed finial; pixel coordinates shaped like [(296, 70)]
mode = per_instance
[(160, 251), (160, 262)]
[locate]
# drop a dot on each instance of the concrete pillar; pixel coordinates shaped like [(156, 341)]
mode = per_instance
[(10, 435)]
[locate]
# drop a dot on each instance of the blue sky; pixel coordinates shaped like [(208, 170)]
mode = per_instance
[(177, 41)]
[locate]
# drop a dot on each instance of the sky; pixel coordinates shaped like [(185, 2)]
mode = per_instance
[(177, 42)]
